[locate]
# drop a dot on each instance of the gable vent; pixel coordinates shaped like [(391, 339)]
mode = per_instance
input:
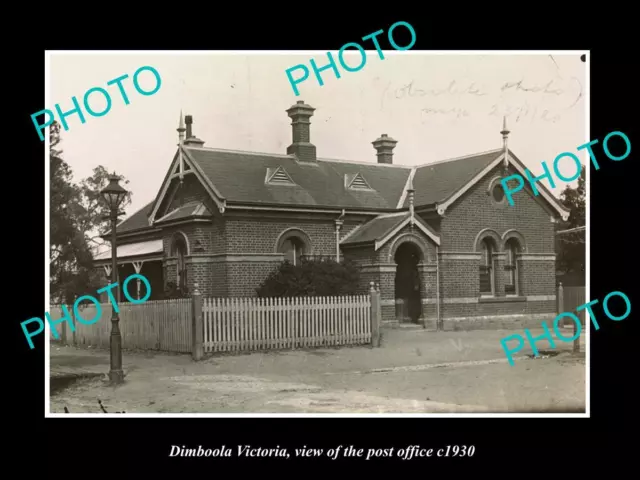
[(278, 176), (356, 182)]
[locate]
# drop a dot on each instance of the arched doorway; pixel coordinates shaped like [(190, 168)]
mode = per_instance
[(407, 283)]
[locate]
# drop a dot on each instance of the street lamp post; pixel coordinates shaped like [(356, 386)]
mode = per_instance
[(113, 195)]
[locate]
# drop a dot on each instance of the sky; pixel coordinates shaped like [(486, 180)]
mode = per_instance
[(437, 106)]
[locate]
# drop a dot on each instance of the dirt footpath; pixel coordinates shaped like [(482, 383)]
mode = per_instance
[(414, 372)]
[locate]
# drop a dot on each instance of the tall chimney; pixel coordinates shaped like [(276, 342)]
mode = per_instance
[(384, 146), (191, 141), (301, 145), (189, 121)]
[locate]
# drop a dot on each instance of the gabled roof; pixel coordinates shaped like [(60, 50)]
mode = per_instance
[(384, 227), (435, 182), (248, 178), (442, 183), (374, 229), (240, 178)]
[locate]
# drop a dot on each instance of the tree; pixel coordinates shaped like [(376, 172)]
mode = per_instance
[(93, 213), (68, 250), (312, 277), (571, 246), (75, 218)]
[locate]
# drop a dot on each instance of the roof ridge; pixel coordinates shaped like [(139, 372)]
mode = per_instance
[(244, 152), (496, 150), (356, 162)]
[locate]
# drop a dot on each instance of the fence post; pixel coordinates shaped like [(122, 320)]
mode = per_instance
[(73, 333), (63, 335), (560, 298), (375, 315), (197, 326)]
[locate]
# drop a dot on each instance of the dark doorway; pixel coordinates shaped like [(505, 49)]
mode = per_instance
[(407, 284)]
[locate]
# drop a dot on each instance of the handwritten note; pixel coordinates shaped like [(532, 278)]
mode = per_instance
[(520, 99)]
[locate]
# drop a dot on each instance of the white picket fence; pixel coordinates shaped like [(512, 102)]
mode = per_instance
[(240, 324)]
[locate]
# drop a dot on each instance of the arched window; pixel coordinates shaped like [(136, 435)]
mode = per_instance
[(179, 250), (512, 286), (487, 273), (293, 248), (294, 244)]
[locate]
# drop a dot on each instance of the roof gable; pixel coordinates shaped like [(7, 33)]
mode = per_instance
[(436, 182), (545, 194), (384, 227), (183, 164), (443, 183)]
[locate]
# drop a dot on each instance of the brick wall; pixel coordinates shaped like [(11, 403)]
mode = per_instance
[(245, 277), (363, 256), (459, 273), (259, 235), (203, 238), (476, 211), (537, 277)]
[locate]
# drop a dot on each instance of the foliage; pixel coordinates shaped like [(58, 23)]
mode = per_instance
[(75, 217), (312, 277), (172, 290), (94, 211), (570, 247)]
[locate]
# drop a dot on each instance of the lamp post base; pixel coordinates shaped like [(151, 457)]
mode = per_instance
[(116, 377)]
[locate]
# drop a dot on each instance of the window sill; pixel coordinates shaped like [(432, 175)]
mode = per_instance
[(502, 299)]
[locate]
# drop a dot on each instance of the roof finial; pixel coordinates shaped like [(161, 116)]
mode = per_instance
[(181, 128), (505, 135), (411, 193)]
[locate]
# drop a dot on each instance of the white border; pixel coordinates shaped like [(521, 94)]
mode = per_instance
[(47, 93)]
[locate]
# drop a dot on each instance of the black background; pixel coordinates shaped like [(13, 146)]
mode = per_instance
[(128, 447)]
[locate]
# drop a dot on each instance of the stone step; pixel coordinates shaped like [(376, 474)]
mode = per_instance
[(402, 326)]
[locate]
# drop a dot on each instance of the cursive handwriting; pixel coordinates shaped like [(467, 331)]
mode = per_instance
[(458, 112), (453, 88), (519, 86), (556, 86), (517, 113)]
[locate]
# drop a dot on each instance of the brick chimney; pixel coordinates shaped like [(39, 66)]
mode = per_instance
[(384, 146), (301, 145), (191, 140)]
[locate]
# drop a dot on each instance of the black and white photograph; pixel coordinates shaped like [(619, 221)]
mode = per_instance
[(227, 239)]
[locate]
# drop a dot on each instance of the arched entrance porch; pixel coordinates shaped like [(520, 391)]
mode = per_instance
[(408, 298)]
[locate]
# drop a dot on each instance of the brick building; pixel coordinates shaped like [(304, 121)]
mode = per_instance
[(440, 239)]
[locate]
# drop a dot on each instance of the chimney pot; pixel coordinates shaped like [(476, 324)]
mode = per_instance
[(384, 146), (188, 119), (191, 139)]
